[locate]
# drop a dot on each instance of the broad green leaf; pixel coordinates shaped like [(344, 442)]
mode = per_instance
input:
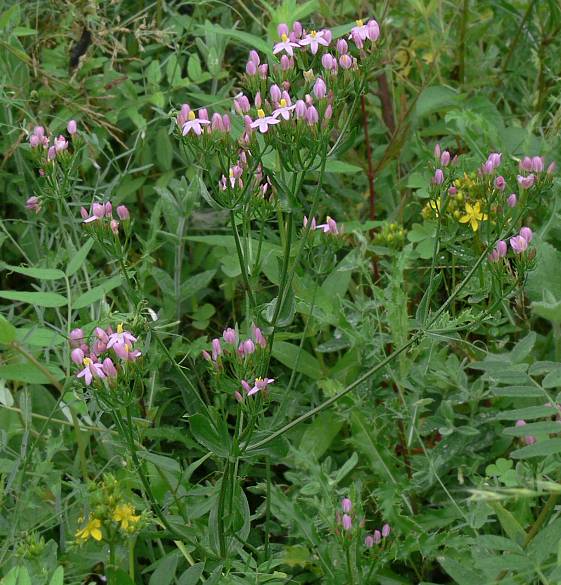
[(41, 273), (509, 523), (518, 391), (461, 574), (207, 433), (292, 357), (549, 311), (252, 41), (319, 435), (96, 293), (39, 336), (192, 575), (165, 570), (58, 577), (192, 285), (78, 259), (533, 428), (541, 449), (553, 379), (29, 373), (437, 98), (7, 331), (526, 413), (41, 299)]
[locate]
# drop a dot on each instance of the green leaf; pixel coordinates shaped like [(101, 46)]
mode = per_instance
[(533, 428), (461, 574), (39, 336), (437, 98), (154, 73), (96, 293), (319, 435), (192, 575), (509, 523), (541, 449), (212, 436), (194, 69), (165, 570), (341, 167), (78, 259), (192, 285), (7, 331), (245, 38), (526, 413), (28, 373), (553, 379), (293, 357), (164, 149), (58, 577), (41, 273), (550, 311), (41, 299)]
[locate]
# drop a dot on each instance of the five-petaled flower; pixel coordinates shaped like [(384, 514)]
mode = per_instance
[(121, 336), (263, 122), (314, 40), (285, 45), (91, 529), (473, 215), (91, 370), (195, 124), (125, 516), (260, 384)]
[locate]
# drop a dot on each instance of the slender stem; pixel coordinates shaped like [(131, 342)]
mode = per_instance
[(349, 565), (178, 266), (241, 259), (517, 37), (132, 542), (221, 501), (462, 44)]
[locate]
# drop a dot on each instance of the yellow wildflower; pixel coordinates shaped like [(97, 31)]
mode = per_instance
[(124, 514), (473, 215), (92, 528)]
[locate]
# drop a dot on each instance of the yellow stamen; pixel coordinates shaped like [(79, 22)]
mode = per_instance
[(191, 116), (284, 38), (120, 328), (359, 22), (313, 34), (260, 113), (282, 103), (231, 173), (127, 347), (87, 362)]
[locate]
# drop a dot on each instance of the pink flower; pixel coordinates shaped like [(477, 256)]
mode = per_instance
[(359, 31), (123, 213), (72, 127), (254, 57), (183, 115), (285, 45), (227, 123), (438, 178), (216, 123), (386, 530), (327, 61), (51, 153), (347, 505), (313, 224), (369, 541), (241, 104), (206, 355), (216, 349), (525, 164), (537, 164), (300, 109), (126, 352), (263, 122), (372, 30), (342, 47), (527, 234), (251, 68), (275, 93), (33, 204), (121, 336), (445, 158), (260, 384), (314, 40), (109, 368), (263, 70), (437, 151), (345, 61), (512, 200), (501, 248), (230, 336), (246, 387), (258, 336), (312, 116), (495, 159), (528, 439), (98, 211), (194, 124), (286, 63), (76, 337), (284, 109), (551, 168), (347, 522), (519, 244), (525, 182), (77, 356), (91, 370), (320, 89), (500, 183), (328, 112), (329, 227), (60, 143), (246, 347), (377, 536)]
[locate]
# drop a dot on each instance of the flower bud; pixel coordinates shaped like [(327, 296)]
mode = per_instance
[(286, 63), (369, 541), (501, 248), (347, 522), (76, 337), (251, 68), (438, 178), (300, 109), (72, 127), (109, 368), (312, 116), (230, 336), (77, 356), (276, 94), (226, 123), (216, 349), (445, 158), (527, 234), (342, 47), (345, 61), (512, 200), (525, 164), (114, 225), (282, 29), (297, 29), (500, 183), (263, 70), (346, 505), (320, 89), (386, 530), (327, 61), (123, 212), (372, 30), (254, 57)]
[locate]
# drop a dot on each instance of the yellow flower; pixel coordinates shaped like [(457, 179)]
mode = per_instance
[(124, 513), (92, 528), (473, 215)]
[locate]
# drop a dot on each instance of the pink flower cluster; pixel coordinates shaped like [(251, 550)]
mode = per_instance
[(443, 159), (59, 144), (491, 164), (244, 347), (90, 357), (198, 122), (346, 521), (528, 439), (100, 212), (329, 227), (376, 537), (518, 243), (534, 165)]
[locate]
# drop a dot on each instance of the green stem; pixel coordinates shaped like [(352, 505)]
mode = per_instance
[(132, 542), (241, 259)]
